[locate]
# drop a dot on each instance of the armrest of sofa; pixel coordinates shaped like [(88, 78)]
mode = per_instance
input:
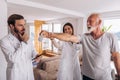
[(39, 74), (49, 64), (43, 61), (47, 68)]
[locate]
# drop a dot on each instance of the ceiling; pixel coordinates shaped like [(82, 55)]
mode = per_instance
[(54, 9), (83, 6), (34, 13)]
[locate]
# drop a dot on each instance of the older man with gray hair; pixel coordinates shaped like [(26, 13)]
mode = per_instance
[(98, 47)]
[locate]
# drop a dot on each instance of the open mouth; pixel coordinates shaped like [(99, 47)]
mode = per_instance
[(89, 28), (22, 32)]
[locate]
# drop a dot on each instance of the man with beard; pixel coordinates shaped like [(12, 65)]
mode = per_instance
[(98, 47), (18, 50)]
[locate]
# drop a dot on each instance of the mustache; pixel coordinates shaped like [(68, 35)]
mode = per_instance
[(23, 29), (89, 28)]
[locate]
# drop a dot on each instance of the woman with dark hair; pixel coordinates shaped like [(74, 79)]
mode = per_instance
[(67, 28), (69, 68)]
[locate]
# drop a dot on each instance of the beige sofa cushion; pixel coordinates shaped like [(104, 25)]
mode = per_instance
[(40, 74), (49, 62), (51, 66)]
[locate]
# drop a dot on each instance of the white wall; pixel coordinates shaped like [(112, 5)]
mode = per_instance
[(81, 26), (3, 32), (111, 15), (77, 23), (27, 27)]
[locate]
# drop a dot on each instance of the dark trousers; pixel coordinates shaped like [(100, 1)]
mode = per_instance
[(86, 78)]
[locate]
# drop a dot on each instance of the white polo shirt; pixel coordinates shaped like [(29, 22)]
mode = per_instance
[(97, 55)]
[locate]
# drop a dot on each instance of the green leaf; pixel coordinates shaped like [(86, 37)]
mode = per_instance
[(105, 28), (109, 27)]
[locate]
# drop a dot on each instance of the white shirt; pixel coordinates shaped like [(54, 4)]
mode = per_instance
[(58, 45), (97, 55), (69, 64), (19, 58)]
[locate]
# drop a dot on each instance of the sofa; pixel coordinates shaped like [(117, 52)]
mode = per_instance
[(47, 68)]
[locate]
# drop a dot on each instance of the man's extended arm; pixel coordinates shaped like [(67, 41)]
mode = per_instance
[(61, 36), (116, 59)]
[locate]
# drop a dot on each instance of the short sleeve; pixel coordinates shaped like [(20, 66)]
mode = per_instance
[(114, 44), (80, 37)]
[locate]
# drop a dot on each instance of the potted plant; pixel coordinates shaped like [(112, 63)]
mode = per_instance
[(106, 28)]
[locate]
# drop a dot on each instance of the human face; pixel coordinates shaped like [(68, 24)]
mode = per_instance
[(68, 29), (19, 26), (93, 23)]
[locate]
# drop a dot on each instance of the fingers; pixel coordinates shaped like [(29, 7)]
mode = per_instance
[(41, 32), (20, 37), (50, 36), (46, 34), (24, 37)]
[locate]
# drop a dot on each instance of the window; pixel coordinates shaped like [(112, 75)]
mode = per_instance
[(32, 33), (57, 29), (46, 43), (115, 27), (116, 30)]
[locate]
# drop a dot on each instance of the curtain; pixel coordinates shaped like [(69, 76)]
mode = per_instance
[(38, 45)]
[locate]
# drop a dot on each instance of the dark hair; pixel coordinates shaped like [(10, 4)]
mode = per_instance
[(13, 18), (68, 24)]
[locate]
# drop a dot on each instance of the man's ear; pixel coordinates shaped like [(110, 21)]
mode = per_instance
[(11, 26), (100, 21)]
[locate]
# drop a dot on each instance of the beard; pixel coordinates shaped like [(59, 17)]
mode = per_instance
[(90, 29), (20, 32)]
